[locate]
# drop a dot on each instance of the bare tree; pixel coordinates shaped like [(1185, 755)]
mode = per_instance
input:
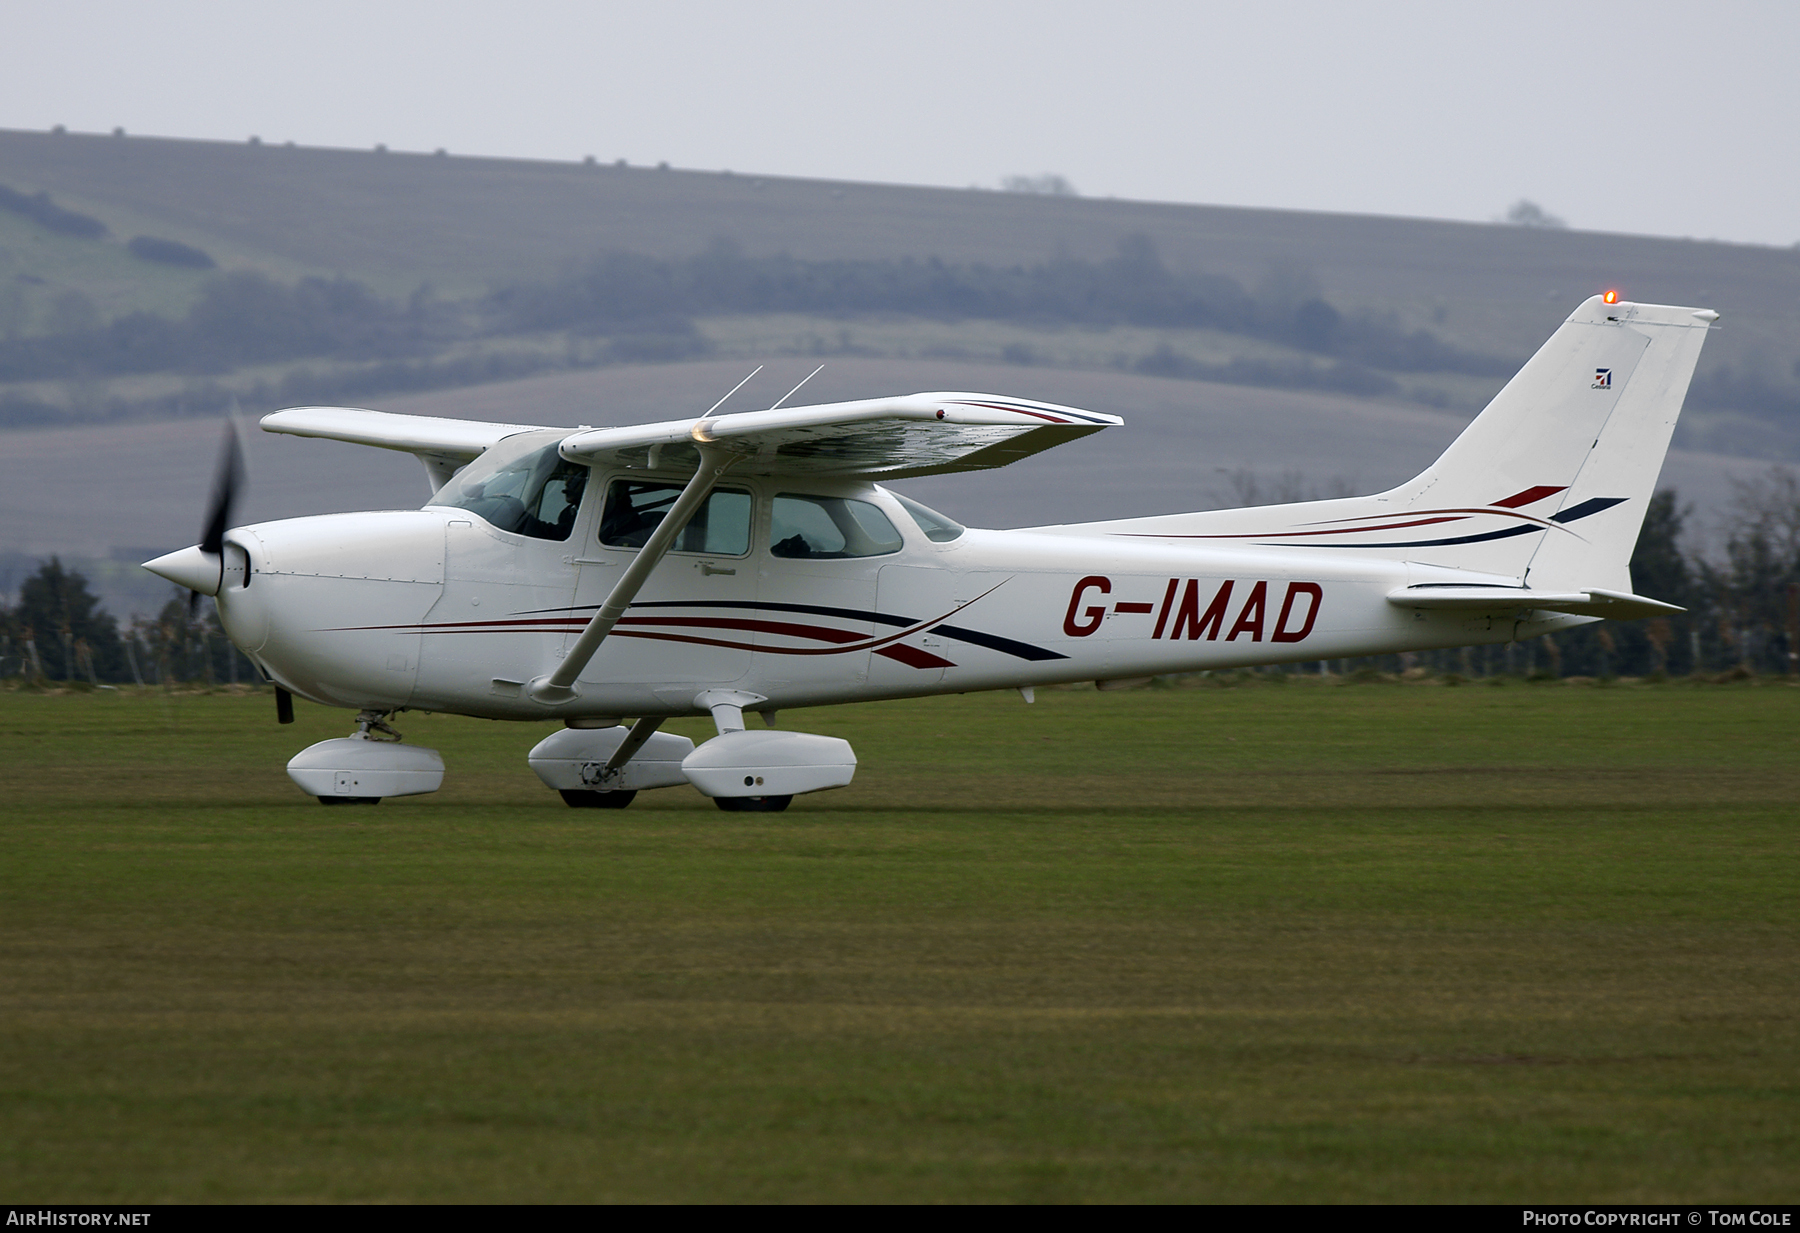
[(1049, 184), (1523, 213)]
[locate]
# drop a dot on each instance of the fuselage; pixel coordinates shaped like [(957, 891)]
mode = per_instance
[(440, 609)]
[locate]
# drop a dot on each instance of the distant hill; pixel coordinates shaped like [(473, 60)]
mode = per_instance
[(362, 275), (396, 220)]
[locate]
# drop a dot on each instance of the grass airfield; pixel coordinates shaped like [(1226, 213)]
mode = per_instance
[(1265, 942)]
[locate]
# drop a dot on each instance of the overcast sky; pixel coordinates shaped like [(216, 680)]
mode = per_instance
[(1651, 116)]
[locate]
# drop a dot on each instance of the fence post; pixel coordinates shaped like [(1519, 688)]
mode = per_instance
[(1793, 628)]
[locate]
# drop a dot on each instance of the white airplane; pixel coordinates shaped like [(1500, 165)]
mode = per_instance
[(754, 562)]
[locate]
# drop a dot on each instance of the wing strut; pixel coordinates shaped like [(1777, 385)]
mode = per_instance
[(559, 686), (636, 739)]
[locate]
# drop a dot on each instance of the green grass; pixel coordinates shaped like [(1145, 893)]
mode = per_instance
[(1530, 943)]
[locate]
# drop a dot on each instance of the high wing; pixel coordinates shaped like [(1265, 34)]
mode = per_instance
[(442, 445), (883, 438)]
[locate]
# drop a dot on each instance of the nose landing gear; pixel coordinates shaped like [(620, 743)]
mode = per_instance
[(366, 768)]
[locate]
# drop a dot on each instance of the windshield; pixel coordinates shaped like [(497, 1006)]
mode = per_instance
[(535, 493)]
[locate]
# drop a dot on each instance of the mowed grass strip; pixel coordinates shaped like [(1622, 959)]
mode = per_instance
[(1531, 943)]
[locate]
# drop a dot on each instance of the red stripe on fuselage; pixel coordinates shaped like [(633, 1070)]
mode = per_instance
[(789, 628), (1530, 495)]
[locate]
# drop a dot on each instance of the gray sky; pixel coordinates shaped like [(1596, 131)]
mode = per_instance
[(1654, 117)]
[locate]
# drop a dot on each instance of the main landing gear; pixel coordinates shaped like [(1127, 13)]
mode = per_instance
[(762, 772), (576, 798), (600, 764), (753, 804)]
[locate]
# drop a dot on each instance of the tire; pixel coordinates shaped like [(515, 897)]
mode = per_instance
[(349, 800), (578, 798), (753, 804)]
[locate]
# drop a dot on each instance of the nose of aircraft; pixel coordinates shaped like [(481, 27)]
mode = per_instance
[(193, 568)]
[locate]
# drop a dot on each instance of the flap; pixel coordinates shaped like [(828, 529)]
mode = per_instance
[(1594, 601), (888, 438)]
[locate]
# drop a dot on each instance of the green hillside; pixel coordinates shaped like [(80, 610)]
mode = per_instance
[(464, 225), (404, 280)]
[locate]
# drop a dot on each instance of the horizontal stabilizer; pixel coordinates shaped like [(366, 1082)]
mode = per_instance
[(1593, 601)]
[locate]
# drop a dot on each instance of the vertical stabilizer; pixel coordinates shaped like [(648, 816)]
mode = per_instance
[(1602, 509), (1547, 486)]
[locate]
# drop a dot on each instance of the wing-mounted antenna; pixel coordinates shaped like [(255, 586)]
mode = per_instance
[(654, 458), (808, 377), (734, 389)]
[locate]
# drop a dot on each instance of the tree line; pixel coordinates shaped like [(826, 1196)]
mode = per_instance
[(631, 307), (56, 630), (645, 309), (1743, 616), (1131, 287)]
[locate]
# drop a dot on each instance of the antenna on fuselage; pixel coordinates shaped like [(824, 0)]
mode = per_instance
[(734, 389), (808, 377)]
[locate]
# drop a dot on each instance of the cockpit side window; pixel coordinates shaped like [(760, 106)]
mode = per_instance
[(829, 528), (537, 494), (635, 508)]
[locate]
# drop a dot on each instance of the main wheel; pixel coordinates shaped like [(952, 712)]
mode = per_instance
[(349, 800), (753, 804), (577, 798)]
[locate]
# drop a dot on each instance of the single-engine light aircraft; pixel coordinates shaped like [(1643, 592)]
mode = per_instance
[(752, 562)]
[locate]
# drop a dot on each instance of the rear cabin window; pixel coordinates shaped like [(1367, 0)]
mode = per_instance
[(827, 528), (635, 508), (938, 529)]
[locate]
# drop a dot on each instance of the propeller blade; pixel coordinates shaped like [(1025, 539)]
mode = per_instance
[(226, 482), (227, 479)]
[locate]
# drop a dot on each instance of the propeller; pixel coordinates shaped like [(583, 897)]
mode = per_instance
[(201, 568), (227, 479)]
